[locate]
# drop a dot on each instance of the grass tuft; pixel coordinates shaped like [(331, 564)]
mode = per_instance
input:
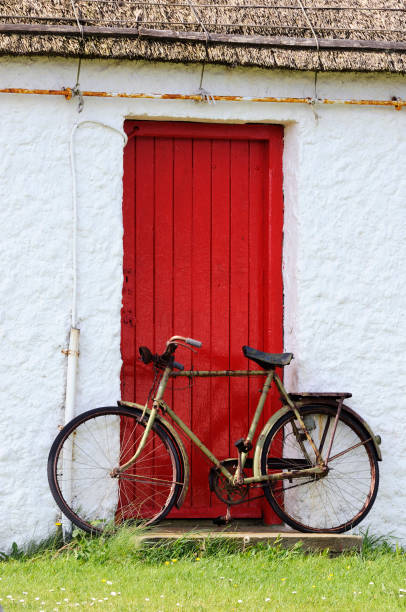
[(32, 549), (374, 545)]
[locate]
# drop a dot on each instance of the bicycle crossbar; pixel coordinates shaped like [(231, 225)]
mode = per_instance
[(210, 373)]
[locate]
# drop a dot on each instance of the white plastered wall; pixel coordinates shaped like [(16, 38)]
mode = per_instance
[(344, 253)]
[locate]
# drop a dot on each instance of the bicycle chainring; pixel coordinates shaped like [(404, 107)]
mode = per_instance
[(228, 493)]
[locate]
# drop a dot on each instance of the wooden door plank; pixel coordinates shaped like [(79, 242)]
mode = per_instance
[(201, 393), (144, 254), (220, 297), (183, 278), (257, 254), (162, 269), (257, 169), (273, 303), (163, 242), (240, 299), (144, 249), (273, 310), (239, 287)]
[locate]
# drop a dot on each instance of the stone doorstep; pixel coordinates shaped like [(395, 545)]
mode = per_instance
[(250, 532)]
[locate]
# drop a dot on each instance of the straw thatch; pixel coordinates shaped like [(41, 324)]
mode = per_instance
[(377, 22)]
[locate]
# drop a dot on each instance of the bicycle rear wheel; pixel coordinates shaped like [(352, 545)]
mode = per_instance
[(335, 502), (86, 451)]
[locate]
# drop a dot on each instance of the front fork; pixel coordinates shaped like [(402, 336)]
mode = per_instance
[(154, 410)]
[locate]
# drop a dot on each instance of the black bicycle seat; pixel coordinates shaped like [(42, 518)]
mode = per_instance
[(267, 360)]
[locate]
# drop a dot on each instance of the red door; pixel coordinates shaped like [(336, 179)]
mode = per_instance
[(203, 220)]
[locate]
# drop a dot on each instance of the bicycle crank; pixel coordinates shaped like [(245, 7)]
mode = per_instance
[(229, 493)]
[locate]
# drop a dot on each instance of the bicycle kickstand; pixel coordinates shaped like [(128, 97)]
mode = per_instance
[(223, 520)]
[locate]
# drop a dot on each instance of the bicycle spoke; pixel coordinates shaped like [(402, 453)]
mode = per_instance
[(348, 450)]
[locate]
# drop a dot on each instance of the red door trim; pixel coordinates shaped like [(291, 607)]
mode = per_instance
[(179, 129)]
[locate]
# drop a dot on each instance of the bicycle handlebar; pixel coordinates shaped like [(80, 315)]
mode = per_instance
[(166, 358)]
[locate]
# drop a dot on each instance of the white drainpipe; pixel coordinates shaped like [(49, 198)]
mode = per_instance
[(73, 351), (73, 358)]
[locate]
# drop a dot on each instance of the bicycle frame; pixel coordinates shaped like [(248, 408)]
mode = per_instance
[(305, 442), (159, 403)]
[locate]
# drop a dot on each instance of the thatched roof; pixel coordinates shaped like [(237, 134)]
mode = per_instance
[(360, 35)]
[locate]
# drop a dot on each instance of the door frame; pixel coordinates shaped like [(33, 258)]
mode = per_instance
[(179, 129)]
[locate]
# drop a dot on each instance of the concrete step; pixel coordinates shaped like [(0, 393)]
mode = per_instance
[(248, 532)]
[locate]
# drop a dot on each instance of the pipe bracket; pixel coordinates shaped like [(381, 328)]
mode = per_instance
[(70, 352)]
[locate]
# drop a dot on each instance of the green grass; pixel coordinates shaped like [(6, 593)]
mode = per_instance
[(117, 574)]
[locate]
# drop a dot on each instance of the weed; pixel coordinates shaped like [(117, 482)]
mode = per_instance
[(162, 552), (33, 549), (375, 545), (276, 550)]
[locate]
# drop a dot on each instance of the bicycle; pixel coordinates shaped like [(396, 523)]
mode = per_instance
[(315, 460)]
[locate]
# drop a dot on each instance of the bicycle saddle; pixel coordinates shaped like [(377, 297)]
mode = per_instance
[(267, 360)]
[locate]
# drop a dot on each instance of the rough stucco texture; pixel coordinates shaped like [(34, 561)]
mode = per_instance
[(344, 254)]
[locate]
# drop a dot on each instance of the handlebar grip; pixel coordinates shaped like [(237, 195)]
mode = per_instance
[(193, 342), (178, 366)]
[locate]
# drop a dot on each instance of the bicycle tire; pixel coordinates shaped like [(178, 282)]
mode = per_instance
[(336, 502), (86, 451)]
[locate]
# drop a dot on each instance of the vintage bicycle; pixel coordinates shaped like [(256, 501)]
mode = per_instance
[(315, 460)]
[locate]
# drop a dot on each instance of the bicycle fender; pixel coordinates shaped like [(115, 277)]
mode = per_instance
[(375, 438), (262, 437), (332, 402), (269, 424), (171, 431)]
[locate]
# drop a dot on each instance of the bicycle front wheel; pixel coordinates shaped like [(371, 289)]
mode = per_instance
[(334, 502), (81, 463)]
